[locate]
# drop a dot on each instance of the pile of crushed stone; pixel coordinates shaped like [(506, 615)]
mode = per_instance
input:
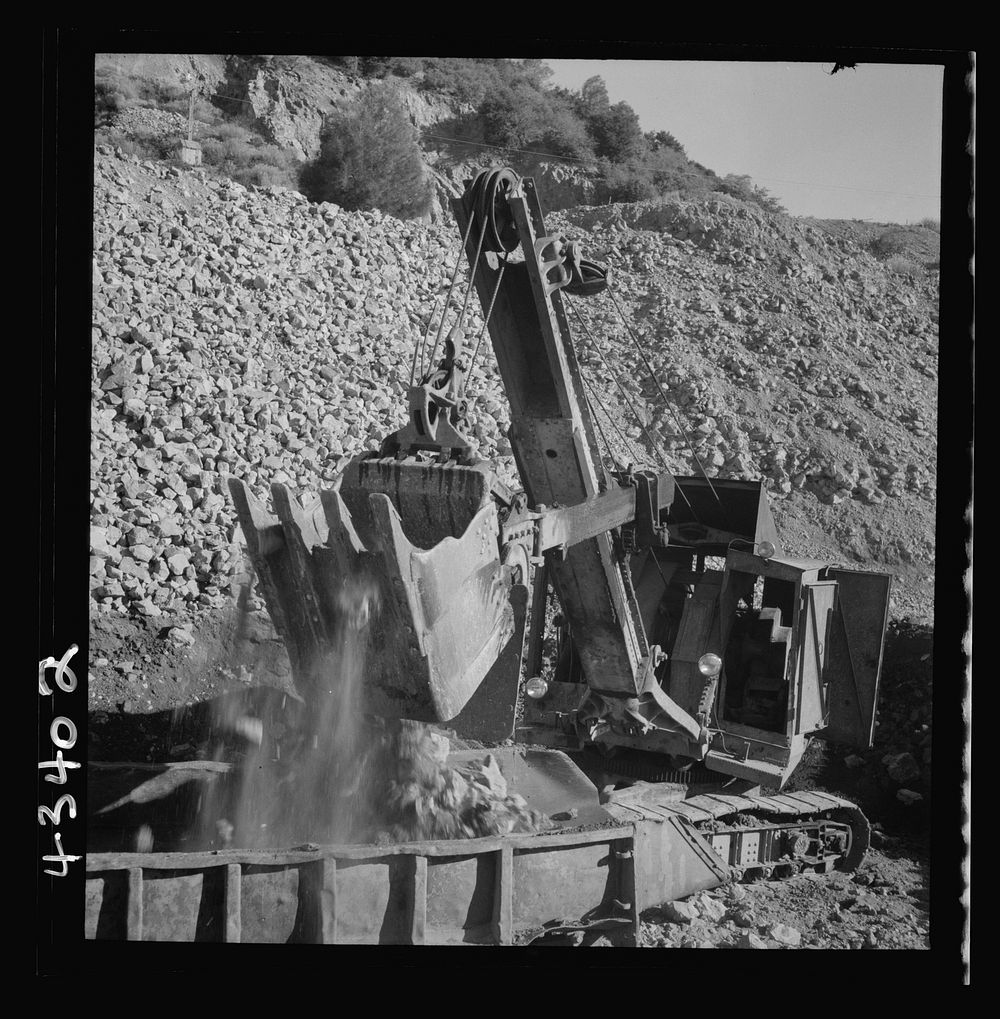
[(422, 796)]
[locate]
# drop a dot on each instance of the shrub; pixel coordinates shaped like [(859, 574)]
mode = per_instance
[(931, 224), (741, 186), (892, 242), (140, 145), (624, 182), (204, 111), (904, 266), (351, 65), (469, 80), (112, 93), (237, 152), (265, 174), (369, 158)]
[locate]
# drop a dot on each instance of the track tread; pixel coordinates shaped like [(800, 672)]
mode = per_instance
[(691, 810)]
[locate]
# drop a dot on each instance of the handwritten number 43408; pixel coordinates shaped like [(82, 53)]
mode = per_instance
[(63, 734)]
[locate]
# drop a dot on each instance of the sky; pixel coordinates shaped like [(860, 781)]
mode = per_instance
[(859, 144)]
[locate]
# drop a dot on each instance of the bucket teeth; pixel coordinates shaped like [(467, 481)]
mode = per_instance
[(435, 619)]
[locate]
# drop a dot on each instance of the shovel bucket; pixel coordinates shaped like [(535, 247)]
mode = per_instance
[(401, 557)]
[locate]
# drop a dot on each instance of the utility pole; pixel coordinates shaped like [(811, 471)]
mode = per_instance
[(190, 150), (188, 80)]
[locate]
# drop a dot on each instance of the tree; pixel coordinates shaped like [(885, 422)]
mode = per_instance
[(617, 133), (511, 116), (663, 140), (370, 159), (594, 98)]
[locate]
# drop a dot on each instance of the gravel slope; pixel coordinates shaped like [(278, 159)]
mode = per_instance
[(248, 332)]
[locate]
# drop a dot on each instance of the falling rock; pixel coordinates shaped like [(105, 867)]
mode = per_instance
[(441, 747), (785, 935), (489, 775)]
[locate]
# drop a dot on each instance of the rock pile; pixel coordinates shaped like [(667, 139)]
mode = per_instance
[(248, 332), (244, 333), (881, 906), (421, 796), (149, 122), (792, 355)]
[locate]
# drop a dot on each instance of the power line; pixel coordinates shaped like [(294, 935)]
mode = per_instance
[(681, 173), (506, 148), (844, 187), (675, 173)]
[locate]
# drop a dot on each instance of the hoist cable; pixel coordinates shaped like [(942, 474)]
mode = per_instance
[(629, 401), (663, 395)]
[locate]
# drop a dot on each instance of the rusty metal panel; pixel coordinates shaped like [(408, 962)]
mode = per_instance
[(269, 904), (445, 613), (460, 902), (813, 638), (587, 519), (552, 435), (105, 906), (434, 501), (186, 904), (490, 713), (478, 891), (372, 901), (854, 662), (552, 885), (699, 631), (553, 466), (672, 861)]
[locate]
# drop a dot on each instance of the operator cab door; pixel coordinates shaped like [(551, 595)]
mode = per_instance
[(854, 654), (817, 606)]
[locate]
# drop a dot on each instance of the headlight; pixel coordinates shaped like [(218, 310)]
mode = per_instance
[(765, 550), (536, 687), (709, 665)]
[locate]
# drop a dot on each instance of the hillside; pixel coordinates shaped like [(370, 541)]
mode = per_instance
[(259, 119), (249, 332), (242, 330)]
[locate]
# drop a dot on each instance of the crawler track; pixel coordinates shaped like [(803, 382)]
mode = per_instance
[(778, 836), (772, 837)]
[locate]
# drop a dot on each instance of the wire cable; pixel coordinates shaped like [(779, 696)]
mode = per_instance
[(630, 403), (663, 395), (451, 287), (419, 347), (609, 453), (489, 312), (637, 459), (683, 173)]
